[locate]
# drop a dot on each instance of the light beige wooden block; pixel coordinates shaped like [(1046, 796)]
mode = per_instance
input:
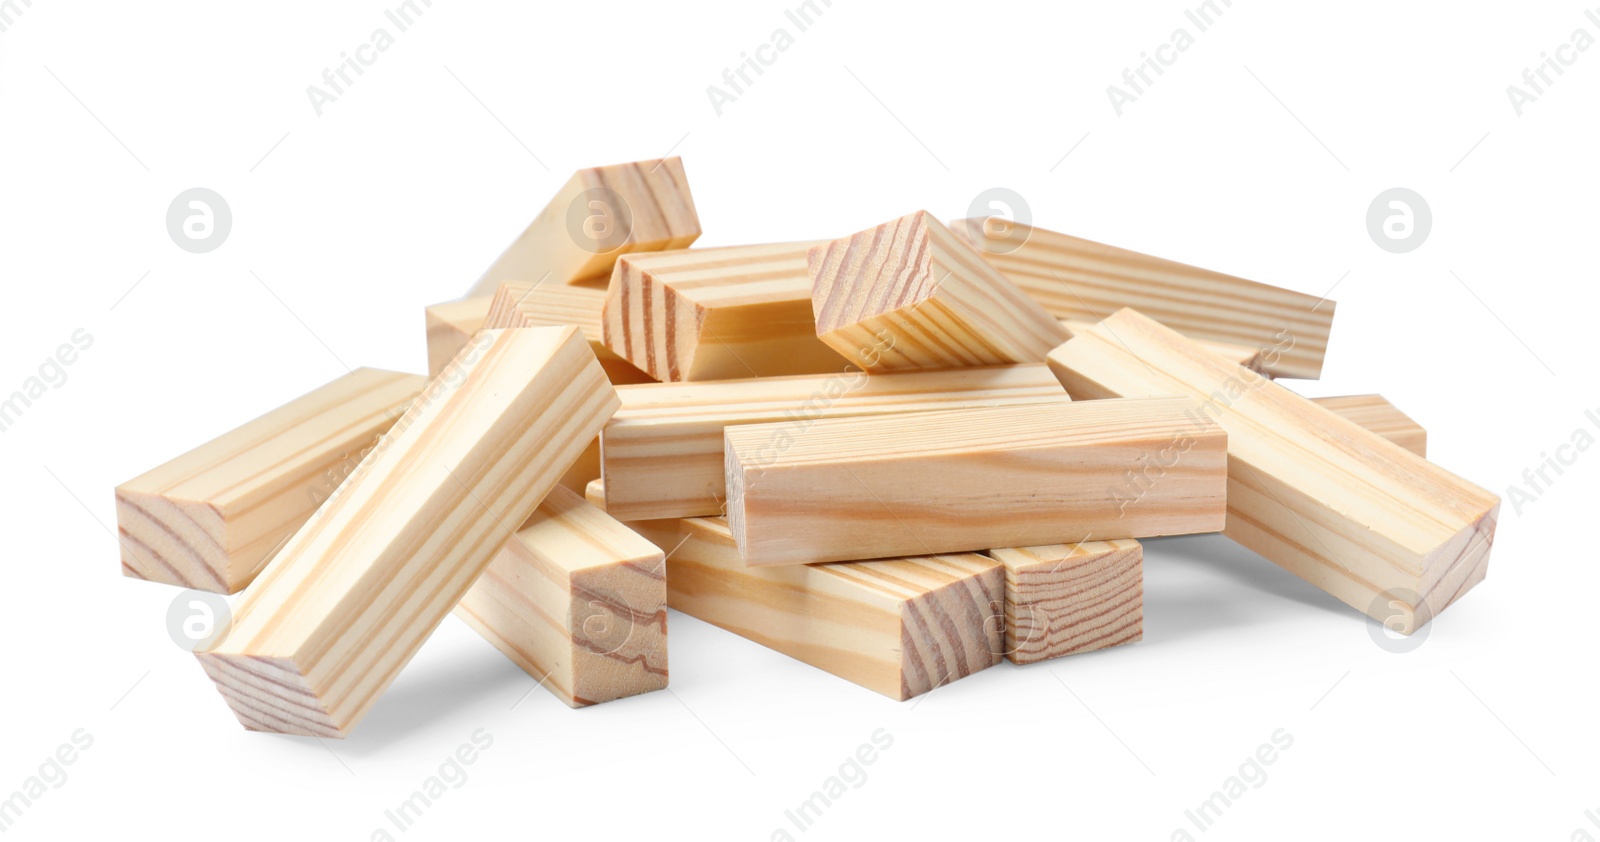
[(1082, 280), (909, 295), (450, 325), (1014, 476), (212, 518), (550, 305), (1359, 516), (1245, 355), (599, 215), (901, 627), (577, 600), (330, 623), (1378, 415), (717, 314), (1064, 599), (662, 453)]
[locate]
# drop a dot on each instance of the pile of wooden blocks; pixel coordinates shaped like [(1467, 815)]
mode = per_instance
[(900, 456)]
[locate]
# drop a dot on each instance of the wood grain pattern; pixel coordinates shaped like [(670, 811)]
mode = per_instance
[(598, 215), (908, 294), (899, 627), (1083, 280), (662, 453), (715, 314), (450, 325), (577, 600), (1014, 476), (212, 518), (330, 623), (548, 305), (1359, 516), (1064, 599), (1245, 355), (1378, 415)]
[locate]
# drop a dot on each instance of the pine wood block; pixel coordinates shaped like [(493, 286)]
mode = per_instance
[(1378, 415), (1244, 355), (212, 518), (1349, 511), (717, 314), (1064, 599), (908, 294), (900, 627), (450, 325), (519, 304), (662, 453), (330, 623), (1082, 280), (1014, 476), (577, 600), (599, 215)]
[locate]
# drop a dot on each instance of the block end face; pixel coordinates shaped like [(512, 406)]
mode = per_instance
[(271, 694), (174, 542), (880, 270)]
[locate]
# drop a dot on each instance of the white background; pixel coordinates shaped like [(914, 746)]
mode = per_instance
[(1257, 153)]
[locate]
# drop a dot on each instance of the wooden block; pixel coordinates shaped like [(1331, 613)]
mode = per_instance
[(1069, 598), (908, 294), (1375, 413), (1085, 281), (662, 453), (1013, 476), (717, 314), (899, 627), (599, 215), (450, 325), (551, 305), (1245, 355), (577, 600), (330, 623), (212, 518), (1359, 516)]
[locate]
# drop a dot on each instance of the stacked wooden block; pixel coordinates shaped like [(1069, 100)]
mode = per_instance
[(900, 456)]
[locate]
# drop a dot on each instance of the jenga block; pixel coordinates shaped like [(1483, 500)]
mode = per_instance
[(1082, 280), (1244, 355), (577, 600), (599, 215), (901, 627), (212, 518), (339, 612), (908, 294), (450, 325), (1378, 415), (550, 305), (1359, 516), (1069, 598), (1014, 476), (662, 453)]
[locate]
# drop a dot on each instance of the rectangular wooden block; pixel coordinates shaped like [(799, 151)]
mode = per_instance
[(330, 623), (1378, 415), (1359, 516), (1085, 281), (1014, 476), (662, 453), (901, 627), (450, 325), (717, 314), (1064, 599), (600, 214), (908, 294), (1245, 355), (577, 600), (551, 305), (212, 518)]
